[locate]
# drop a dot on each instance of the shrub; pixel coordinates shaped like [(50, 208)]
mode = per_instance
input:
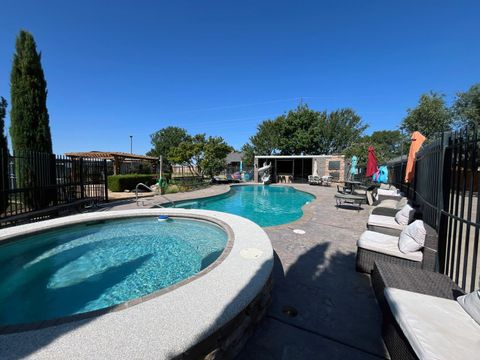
[(172, 189), (128, 182)]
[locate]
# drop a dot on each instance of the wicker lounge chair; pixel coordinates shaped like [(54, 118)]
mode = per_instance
[(373, 246), (389, 207), (382, 194), (384, 224), (420, 317)]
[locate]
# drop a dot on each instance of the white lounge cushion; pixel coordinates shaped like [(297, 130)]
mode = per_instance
[(385, 244), (471, 304), (385, 186), (388, 203), (388, 192), (384, 221), (436, 328), (401, 203), (412, 238), (405, 215)]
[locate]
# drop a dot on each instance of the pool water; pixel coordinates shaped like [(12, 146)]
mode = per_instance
[(91, 266), (265, 205)]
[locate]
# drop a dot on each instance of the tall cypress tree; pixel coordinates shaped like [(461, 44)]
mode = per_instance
[(3, 157), (29, 129), (29, 125)]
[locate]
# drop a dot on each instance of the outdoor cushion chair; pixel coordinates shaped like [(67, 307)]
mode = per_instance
[(419, 326), (373, 246), (326, 180), (314, 180), (388, 274), (391, 225), (388, 194), (389, 207)]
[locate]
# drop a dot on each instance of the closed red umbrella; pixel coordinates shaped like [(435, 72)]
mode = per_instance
[(372, 164)]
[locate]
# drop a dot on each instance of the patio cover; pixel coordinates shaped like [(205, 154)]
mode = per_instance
[(116, 157)]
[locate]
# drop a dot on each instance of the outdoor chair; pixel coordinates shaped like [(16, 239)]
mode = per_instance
[(326, 180), (392, 225), (393, 194), (421, 318), (342, 190), (373, 246), (389, 207)]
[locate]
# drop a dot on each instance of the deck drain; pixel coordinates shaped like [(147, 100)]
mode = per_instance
[(299, 231), (289, 311)]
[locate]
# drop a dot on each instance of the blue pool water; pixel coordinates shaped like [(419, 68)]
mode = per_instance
[(91, 266), (265, 205)]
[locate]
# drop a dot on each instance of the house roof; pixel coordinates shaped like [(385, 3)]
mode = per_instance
[(234, 157), (109, 155)]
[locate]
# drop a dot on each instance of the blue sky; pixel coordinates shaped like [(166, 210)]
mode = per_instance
[(120, 68)]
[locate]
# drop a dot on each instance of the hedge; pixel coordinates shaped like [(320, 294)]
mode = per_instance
[(129, 182)]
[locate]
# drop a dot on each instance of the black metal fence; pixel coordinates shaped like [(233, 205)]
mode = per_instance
[(446, 189), (33, 183)]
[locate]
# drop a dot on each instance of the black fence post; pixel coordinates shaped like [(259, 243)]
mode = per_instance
[(82, 180), (105, 177), (444, 198)]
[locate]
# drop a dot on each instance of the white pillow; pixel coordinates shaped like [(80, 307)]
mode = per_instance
[(471, 304), (412, 238), (405, 215), (401, 203), (384, 186)]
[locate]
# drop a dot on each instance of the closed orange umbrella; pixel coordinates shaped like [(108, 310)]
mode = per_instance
[(417, 140)]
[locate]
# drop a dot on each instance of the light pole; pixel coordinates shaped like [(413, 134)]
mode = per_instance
[(131, 144)]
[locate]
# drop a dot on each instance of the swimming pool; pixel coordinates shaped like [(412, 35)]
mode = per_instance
[(265, 205), (94, 265)]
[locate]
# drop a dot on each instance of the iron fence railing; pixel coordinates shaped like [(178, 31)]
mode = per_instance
[(445, 187), (34, 181)]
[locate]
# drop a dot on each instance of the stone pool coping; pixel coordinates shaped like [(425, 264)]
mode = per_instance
[(164, 326)]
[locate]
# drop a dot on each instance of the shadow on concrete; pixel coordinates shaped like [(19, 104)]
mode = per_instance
[(336, 314)]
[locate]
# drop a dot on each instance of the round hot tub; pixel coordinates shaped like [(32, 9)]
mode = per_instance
[(85, 267), (63, 282)]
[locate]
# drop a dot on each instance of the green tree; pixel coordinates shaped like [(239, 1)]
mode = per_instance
[(300, 131), (248, 157), (430, 116), (267, 139), (29, 123), (338, 130), (203, 156), (30, 128), (190, 153), (306, 131), (467, 106), (215, 152), (387, 144), (3, 157), (165, 140)]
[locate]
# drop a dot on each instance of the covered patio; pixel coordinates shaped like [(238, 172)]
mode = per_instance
[(297, 168), (118, 158)]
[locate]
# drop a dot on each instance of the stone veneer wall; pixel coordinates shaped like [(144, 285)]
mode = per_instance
[(322, 165), (228, 341)]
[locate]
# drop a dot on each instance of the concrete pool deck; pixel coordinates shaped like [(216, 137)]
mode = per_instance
[(164, 324), (338, 317), (314, 273)]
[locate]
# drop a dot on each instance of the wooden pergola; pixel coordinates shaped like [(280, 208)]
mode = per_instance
[(117, 157)]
